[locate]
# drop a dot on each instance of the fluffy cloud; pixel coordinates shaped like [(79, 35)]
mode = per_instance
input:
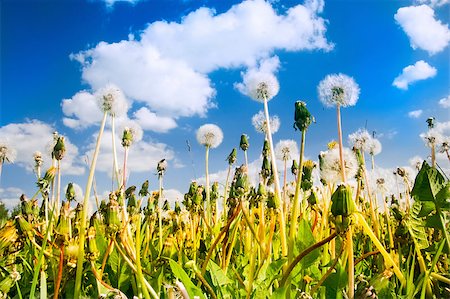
[(445, 102), (415, 113), (433, 3), (10, 196), (143, 156), (81, 110), (412, 73), (110, 3), (35, 135), (166, 69), (423, 30), (151, 121)]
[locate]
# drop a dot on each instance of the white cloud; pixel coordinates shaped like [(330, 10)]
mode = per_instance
[(10, 196), (143, 156), (412, 73), (81, 110), (415, 113), (173, 195), (433, 3), (35, 135), (110, 3), (445, 102), (166, 68), (423, 30), (151, 121)]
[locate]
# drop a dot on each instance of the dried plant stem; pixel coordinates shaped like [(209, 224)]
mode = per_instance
[(87, 193)]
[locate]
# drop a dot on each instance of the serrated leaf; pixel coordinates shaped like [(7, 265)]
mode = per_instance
[(443, 197), (305, 239), (433, 221), (429, 181), (219, 278), (179, 273), (335, 282), (279, 293), (416, 226)]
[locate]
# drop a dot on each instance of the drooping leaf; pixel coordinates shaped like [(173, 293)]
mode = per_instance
[(429, 181), (191, 288)]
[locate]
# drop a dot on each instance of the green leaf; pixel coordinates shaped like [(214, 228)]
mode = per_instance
[(218, 276), (443, 197), (305, 239), (335, 283), (279, 293), (267, 276), (433, 221), (416, 226), (427, 208), (429, 181), (179, 273)]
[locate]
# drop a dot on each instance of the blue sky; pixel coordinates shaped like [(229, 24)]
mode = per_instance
[(178, 63)]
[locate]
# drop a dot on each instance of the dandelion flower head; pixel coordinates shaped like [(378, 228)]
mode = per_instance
[(7, 153), (260, 123), (431, 137), (261, 86), (112, 100), (209, 135), (286, 149), (374, 146), (360, 139), (338, 89), (330, 166)]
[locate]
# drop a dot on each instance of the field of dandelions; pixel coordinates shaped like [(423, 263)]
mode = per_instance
[(354, 234)]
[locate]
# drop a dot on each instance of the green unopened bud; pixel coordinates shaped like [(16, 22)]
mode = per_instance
[(342, 202), (92, 253), (112, 216), (161, 167), (177, 208), (430, 122), (49, 175), (70, 192), (26, 205), (307, 180), (127, 137), (144, 189), (265, 168), (214, 191), (8, 236), (294, 167), (241, 184), (232, 157), (261, 190), (71, 252), (63, 228), (59, 149), (266, 149), (243, 144), (302, 117), (312, 198), (166, 206)]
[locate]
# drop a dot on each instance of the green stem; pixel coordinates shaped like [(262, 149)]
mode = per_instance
[(225, 195), (87, 193), (351, 264), (114, 148), (444, 229), (341, 147), (138, 259), (160, 203), (296, 203), (208, 201)]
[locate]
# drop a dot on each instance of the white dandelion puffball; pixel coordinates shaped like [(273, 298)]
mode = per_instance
[(209, 135), (330, 168), (112, 100), (416, 162), (374, 146), (7, 153), (444, 144), (338, 89), (432, 137), (260, 124), (286, 149), (261, 86), (360, 139)]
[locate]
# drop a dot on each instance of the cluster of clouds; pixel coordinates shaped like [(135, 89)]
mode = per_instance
[(425, 32)]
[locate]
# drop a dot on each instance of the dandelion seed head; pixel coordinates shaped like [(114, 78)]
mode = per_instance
[(374, 146), (261, 86), (444, 144), (112, 100), (260, 124), (360, 140), (416, 162), (330, 166), (286, 149), (38, 160), (7, 153), (209, 135), (431, 137), (338, 89)]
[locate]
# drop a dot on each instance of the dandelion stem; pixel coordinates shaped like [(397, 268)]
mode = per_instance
[(159, 214), (87, 193), (341, 147), (114, 148), (208, 201), (351, 264)]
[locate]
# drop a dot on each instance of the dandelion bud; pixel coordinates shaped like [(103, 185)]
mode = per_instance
[(112, 216), (266, 168), (430, 122), (312, 198), (7, 153), (266, 149), (243, 144), (177, 208), (8, 282), (25, 227), (261, 190), (92, 251), (63, 228), (302, 117), (70, 192), (342, 202), (161, 167), (8, 236), (26, 205), (71, 252), (294, 167), (307, 180), (59, 149), (144, 189), (127, 137), (38, 160), (232, 157)]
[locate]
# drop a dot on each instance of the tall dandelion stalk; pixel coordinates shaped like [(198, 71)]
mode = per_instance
[(111, 101), (38, 161), (302, 120), (340, 90), (58, 154), (231, 160), (7, 154), (161, 169), (243, 145), (210, 136)]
